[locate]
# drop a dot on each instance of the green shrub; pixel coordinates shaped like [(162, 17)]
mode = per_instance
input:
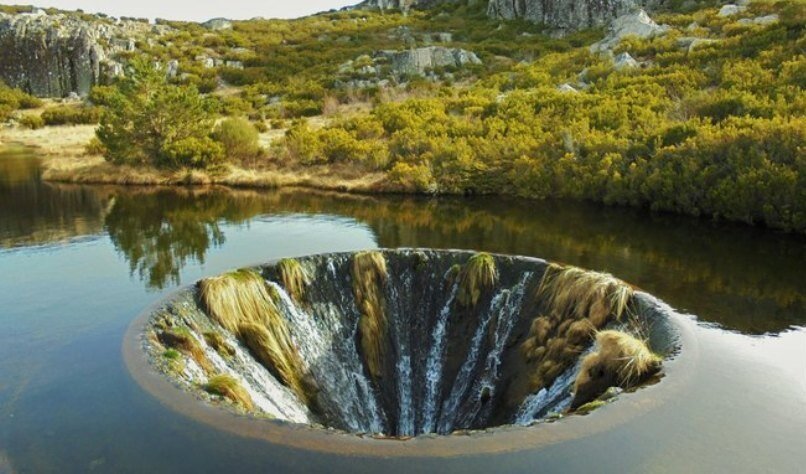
[(191, 152), (32, 121), (71, 115), (239, 138)]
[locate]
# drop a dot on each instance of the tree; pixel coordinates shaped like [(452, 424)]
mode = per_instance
[(147, 120)]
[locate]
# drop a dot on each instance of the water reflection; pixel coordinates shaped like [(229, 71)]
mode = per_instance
[(743, 278)]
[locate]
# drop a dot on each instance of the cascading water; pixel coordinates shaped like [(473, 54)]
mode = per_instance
[(443, 362)]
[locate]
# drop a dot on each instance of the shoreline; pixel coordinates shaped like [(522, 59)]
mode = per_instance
[(61, 150)]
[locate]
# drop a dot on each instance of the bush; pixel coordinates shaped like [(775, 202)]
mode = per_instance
[(94, 147), (32, 121), (192, 152), (71, 115), (239, 138)]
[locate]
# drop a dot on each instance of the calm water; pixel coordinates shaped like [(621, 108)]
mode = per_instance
[(78, 263)]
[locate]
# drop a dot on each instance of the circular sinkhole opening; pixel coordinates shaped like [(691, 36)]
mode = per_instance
[(401, 344)]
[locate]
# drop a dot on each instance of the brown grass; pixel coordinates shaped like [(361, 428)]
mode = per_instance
[(369, 275), (242, 303), (477, 275), (294, 277), (182, 340), (217, 342), (229, 388)]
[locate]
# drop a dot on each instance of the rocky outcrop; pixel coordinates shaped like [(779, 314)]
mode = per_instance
[(562, 14), (401, 4), (421, 60), (55, 55), (217, 24), (637, 24)]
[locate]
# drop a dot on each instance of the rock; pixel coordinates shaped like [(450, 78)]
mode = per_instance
[(172, 68), (54, 55), (217, 24), (634, 24), (760, 20), (625, 61), (730, 10), (567, 88), (563, 14), (234, 64), (690, 43), (418, 61)]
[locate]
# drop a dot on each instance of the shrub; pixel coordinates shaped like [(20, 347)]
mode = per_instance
[(94, 147), (191, 152), (71, 115), (32, 121), (239, 138)]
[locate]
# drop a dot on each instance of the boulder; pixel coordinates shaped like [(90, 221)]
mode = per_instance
[(420, 60), (730, 10), (760, 20), (637, 24), (217, 24), (625, 61)]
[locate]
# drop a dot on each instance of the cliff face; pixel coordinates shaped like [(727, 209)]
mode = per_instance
[(562, 14), (55, 55)]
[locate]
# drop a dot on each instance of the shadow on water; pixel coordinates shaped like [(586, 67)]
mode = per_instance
[(742, 278)]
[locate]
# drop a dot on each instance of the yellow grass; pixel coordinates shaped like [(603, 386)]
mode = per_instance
[(294, 277), (229, 388), (369, 275), (241, 302), (477, 275)]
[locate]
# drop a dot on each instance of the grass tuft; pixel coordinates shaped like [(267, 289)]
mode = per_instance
[(226, 386), (180, 339), (294, 278), (477, 275), (217, 342), (369, 276)]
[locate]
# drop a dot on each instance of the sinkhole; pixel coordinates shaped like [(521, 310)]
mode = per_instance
[(403, 343)]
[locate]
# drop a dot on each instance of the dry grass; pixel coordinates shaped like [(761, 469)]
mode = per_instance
[(229, 388), (183, 341), (478, 274), (294, 277), (624, 355), (570, 292), (217, 342), (577, 303), (242, 303), (369, 276), (620, 360)]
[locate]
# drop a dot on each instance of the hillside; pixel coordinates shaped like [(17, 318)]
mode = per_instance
[(694, 108)]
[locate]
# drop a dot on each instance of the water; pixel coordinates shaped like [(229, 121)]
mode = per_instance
[(78, 263)]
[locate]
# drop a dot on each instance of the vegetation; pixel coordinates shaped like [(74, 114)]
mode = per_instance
[(242, 303), (477, 275), (227, 387), (32, 121), (71, 115), (294, 278), (180, 339), (219, 344), (15, 99), (714, 128), (149, 121), (620, 360), (369, 277), (239, 138)]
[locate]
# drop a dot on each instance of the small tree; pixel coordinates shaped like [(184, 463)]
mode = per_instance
[(147, 120)]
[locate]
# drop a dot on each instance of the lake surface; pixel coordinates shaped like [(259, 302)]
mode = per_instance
[(79, 263)]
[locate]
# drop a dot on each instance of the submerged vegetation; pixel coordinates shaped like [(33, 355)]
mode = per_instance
[(369, 277)]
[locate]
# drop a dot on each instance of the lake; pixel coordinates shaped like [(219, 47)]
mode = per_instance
[(78, 263)]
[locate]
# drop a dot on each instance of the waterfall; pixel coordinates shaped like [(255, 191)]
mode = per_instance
[(503, 312), (434, 363), (556, 397)]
